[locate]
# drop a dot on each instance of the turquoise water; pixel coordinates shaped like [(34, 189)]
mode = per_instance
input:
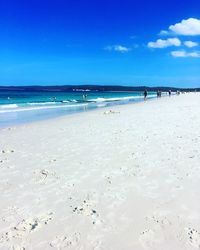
[(17, 107)]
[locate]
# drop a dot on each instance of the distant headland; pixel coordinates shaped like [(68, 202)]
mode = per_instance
[(66, 88)]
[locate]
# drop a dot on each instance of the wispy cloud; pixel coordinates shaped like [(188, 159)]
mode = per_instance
[(163, 33), (160, 43), (135, 46), (190, 44), (188, 27), (183, 53), (118, 48)]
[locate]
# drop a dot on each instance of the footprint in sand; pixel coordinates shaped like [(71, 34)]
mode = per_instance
[(53, 160), (7, 151), (43, 174), (62, 242), (25, 227), (18, 248), (147, 238), (161, 221), (108, 179), (193, 237), (151, 238), (87, 209)]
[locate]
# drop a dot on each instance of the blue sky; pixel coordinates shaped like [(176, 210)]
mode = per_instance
[(50, 42)]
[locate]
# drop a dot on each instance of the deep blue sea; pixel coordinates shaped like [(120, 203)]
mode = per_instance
[(18, 107)]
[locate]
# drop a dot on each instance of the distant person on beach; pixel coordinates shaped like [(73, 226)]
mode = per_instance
[(159, 93), (170, 92), (145, 94)]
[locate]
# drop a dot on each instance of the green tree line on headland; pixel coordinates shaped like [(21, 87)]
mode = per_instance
[(66, 88)]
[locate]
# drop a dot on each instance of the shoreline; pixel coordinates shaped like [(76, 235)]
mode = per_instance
[(125, 179), (83, 109)]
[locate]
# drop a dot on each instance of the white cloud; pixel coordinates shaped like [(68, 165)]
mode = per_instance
[(189, 27), (118, 48), (163, 33), (190, 44), (183, 53), (160, 43)]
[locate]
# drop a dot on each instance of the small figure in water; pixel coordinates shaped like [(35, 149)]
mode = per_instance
[(54, 99), (85, 97), (145, 94)]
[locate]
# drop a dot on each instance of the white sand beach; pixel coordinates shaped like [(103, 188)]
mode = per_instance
[(121, 180)]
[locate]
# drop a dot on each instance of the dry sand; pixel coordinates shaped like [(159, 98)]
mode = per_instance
[(122, 180)]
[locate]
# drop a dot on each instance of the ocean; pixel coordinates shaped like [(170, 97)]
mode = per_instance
[(19, 107)]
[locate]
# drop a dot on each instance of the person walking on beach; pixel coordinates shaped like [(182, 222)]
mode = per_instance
[(158, 93), (170, 92), (145, 94)]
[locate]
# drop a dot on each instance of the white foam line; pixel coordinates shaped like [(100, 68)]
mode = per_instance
[(7, 106), (39, 108), (40, 103), (120, 98)]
